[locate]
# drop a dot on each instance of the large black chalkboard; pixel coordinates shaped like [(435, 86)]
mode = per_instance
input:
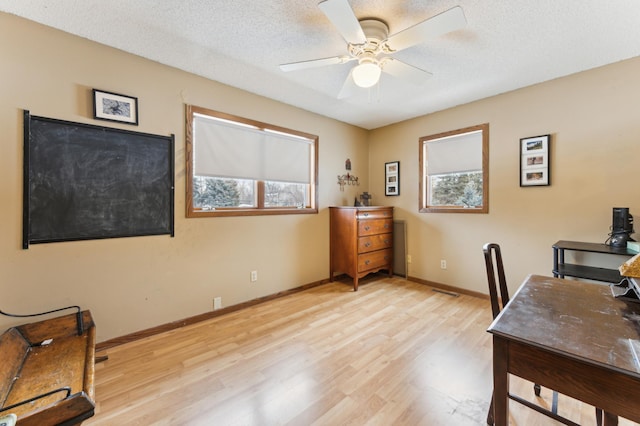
[(89, 182)]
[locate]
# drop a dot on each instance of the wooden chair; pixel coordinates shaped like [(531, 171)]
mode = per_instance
[(499, 301)]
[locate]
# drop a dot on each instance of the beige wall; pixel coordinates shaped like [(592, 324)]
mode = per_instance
[(135, 283), (595, 126), (132, 284)]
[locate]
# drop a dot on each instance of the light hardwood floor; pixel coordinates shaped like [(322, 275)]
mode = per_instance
[(393, 353)]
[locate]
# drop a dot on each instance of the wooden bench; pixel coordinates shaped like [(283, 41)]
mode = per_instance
[(47, 382)]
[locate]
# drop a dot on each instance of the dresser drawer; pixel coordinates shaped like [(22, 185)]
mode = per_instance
[(374, 242), (375, 260), (375, 214), (374, 226)]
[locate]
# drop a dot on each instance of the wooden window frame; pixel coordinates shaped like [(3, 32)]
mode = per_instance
[(260, 208), (424, 207)]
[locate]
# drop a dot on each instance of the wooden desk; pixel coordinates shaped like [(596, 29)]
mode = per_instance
[(570, 336)]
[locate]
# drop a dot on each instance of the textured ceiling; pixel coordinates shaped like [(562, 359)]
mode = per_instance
[(506, 45)]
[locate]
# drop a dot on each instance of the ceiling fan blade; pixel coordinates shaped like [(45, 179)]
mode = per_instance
[(342, 17), (349, 87), (449, 20), (294, 66), (405, 71)]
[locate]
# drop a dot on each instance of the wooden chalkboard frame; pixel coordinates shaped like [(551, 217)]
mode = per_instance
[(84, 182)]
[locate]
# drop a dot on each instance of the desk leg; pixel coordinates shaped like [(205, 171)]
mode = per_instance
[(500, 382)]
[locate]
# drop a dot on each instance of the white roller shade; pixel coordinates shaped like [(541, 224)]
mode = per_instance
[(454, 154), (233, 150)]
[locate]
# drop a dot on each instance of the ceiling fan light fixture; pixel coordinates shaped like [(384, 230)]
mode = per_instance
[(366, 74), (369, 42)]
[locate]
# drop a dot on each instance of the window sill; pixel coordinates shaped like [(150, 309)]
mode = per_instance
[(454, 209), (225, 212)]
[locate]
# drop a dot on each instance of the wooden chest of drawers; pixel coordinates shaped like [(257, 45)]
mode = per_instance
[(361, 241)]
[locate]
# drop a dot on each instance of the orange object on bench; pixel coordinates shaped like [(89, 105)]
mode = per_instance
[(47, 371)]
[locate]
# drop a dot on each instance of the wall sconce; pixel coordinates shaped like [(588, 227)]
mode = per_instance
[(347, 179)]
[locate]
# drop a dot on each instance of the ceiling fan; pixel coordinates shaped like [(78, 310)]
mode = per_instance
[(369, 43)]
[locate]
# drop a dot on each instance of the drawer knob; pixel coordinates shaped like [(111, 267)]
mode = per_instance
[(366, 262), (366, 228), (367, 244), (386, 225), (386, 258), (386, 241), (366, 214)]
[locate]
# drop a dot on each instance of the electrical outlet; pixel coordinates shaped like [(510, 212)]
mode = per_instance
[(408, 258), (217, 303), (254, 276), (443, 264)]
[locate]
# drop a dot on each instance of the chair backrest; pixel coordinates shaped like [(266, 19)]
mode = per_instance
[(491, 252)]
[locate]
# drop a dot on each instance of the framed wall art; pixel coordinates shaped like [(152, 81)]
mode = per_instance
[(534, 161), (392, 178), (114, 107)]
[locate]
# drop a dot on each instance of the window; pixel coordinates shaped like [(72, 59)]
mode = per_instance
[(237, 166), (454, 171)]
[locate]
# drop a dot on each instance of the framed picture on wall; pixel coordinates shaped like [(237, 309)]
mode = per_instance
[(392, 178), (534, 161), (114, 107)]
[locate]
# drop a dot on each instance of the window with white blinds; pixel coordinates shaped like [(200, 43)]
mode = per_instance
[(236, 150), (248, 167), (454, 154), (454, 172)]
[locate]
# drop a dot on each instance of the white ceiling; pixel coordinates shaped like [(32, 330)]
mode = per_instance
[(506, 45)]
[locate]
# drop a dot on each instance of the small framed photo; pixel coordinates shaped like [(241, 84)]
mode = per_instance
[(114, 107), (392, 178), (534, 161), (534, 177)]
